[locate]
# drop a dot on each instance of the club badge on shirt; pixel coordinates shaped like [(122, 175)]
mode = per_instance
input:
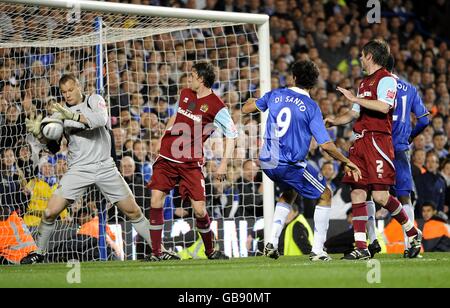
[(204, 108)]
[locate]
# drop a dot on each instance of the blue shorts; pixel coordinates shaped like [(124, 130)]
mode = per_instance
[(403, 175), (308, 182)]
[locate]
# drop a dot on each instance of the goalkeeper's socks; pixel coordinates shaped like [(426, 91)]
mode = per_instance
[(44, 233), (279, 219), (156, 229), (142, 227), (204, 227), (398, 213), (371, 223), (321, 224), (359, 224)]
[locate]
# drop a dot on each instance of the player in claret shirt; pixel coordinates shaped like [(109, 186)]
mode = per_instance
[(199, 113), (373, 150)]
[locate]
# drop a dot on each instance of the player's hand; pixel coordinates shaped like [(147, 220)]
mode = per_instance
[(329, 122), (34, 126), (352, 170), (221, 173), (65, 113), (348, 94)]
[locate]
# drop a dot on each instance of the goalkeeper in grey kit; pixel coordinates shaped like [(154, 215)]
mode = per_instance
[(89, 160)]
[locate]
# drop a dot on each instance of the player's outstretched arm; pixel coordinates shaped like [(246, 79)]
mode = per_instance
[(375, 105), (342, 119), (250, 106), (350, 167)]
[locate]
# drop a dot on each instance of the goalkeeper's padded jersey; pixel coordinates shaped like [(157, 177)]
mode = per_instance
[(88, 144)]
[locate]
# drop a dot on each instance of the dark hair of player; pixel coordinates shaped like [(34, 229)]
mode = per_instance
[(205, 70), (379, 50), (305, 74), (390, 64)]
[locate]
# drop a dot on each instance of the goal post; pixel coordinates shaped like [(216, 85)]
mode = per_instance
[(115, 26)]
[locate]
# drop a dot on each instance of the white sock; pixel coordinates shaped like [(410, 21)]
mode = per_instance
[(142, 227), (371, 223), (45, 231), (279, 219), (321, 224), (409, 209)]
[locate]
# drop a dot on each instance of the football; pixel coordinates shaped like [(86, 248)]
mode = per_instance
[(52, 129)]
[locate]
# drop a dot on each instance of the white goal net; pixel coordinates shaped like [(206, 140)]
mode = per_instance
[(139, 63)]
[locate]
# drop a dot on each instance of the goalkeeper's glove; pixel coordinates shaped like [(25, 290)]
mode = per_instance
[(34, 126), (66, 113)]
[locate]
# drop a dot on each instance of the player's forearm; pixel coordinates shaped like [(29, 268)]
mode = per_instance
[(333, 151), (250, 106), (422, 123), (94, 119), (170, 123), (374, 105), (345, 118), (229, 150)]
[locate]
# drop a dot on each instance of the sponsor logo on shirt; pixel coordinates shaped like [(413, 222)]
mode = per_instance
[(390, 94), (189, 114)]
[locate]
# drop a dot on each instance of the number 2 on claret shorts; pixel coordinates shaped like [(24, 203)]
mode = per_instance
[(380, 165)]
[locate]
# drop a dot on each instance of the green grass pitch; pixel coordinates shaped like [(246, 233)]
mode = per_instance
[(433, 270)]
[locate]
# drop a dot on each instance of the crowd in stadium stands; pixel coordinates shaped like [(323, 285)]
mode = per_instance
[(143, 78)]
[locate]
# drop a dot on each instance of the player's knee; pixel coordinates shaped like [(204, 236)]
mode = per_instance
[(380, 197), (326, 197), (157, 201), (358, 196), (49, 215), (199, 209)]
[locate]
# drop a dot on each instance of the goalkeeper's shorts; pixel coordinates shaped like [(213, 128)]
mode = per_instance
[(104, 175)]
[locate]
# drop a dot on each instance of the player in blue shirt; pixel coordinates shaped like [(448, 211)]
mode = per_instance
[(294, 118), (407, 101)]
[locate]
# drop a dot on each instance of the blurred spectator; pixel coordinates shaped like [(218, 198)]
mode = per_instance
[(418, 163), (143, 165), (436, 231), (14, 128), (40, 190), (250, 192), (440, 144), (136, 183), (12, 183), (16, 241), (24, 161), (431, 186), (296, 239)]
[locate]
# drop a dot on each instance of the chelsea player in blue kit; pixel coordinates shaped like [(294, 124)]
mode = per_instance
[(407, 101), (294, 118)]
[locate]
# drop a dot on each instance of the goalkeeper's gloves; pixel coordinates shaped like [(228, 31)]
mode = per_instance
[(66, 113), (34, 126)]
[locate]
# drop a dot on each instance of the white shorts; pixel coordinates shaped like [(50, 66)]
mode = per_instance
[(104, 175)]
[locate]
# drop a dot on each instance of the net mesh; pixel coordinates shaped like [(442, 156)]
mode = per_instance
[(145, 64)]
